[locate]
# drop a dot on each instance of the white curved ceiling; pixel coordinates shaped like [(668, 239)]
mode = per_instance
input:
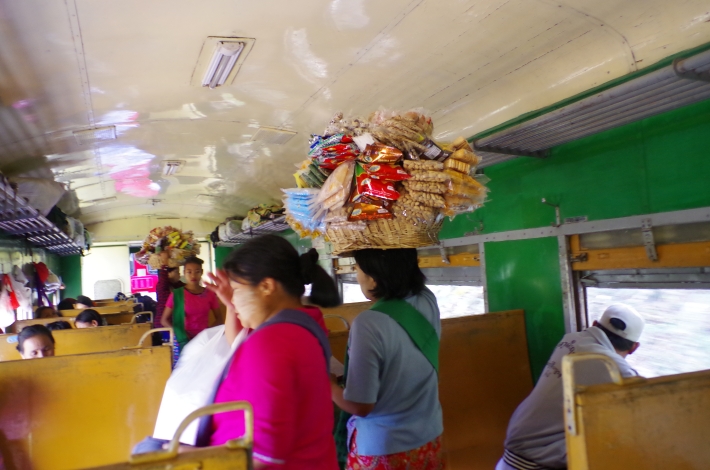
[(68, 65)]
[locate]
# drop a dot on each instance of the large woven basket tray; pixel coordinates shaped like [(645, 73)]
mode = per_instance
[(384, 234)]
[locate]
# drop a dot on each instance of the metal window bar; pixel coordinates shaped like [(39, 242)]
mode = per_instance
[(662, 90), (19, 219)]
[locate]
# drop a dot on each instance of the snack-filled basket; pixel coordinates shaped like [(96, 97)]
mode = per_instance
[(382, 183), (178, 244)]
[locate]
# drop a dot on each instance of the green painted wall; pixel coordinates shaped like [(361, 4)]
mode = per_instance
[(525, 274), (655, 165), (70, 270), (220, 254)]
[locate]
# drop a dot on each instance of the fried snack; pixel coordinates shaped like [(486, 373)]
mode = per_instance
[(461, 144), (428, 199), (429, 175), (413, 211), (423, 165), (466, 156), (451, 164), (426, 186)]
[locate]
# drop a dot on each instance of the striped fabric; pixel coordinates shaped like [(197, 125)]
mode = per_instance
[(520, 463)]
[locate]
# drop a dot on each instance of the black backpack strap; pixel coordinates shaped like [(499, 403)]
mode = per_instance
[(294, 317)]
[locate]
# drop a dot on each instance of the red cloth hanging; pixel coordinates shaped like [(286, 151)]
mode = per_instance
[(7, 283)]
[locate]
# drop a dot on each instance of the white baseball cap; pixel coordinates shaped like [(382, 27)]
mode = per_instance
[(633, 321)]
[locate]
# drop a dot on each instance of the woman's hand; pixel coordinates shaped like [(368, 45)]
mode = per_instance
[(164, 258), (220, 286)]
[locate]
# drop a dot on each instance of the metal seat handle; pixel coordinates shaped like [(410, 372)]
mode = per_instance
[(339, 317), (173, 448)]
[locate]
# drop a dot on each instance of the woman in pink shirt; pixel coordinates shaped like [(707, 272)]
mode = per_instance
[(282, 367), (188, 308)]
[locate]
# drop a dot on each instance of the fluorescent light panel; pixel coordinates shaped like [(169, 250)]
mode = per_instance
[(219, 61), (222, 63)]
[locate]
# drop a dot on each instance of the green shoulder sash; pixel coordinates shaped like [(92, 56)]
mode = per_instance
[(179, 317), (415, 324)]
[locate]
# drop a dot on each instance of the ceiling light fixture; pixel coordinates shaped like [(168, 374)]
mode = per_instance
[(171, 167), (220, 60)]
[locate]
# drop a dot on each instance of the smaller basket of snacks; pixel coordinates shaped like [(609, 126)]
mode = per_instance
[(382, 183), (180, 246)]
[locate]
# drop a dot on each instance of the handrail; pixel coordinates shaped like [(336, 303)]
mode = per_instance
[(134, 320), (149, 333), (172, 451), (340, 317), (569, 386)]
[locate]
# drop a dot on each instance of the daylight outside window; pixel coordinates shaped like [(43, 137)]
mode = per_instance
[(677, 334), (454, 301)]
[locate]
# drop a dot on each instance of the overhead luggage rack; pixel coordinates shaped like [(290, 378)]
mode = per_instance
[(19, 219), (273, 226), (685, 81)]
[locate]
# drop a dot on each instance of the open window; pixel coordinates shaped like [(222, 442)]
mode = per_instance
[(454, 276), (672, 291)]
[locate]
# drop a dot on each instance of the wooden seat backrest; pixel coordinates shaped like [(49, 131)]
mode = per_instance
[(658, 423), (82, 341), (87, 410)]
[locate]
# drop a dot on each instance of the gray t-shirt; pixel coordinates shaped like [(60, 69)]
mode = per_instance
[(537, 429), (386, 368)]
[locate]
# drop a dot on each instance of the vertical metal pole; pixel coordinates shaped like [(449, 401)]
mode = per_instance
[(482, 257), (568, 294)]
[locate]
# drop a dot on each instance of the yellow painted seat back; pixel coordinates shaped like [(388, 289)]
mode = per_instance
[(651, 424), (110, 309), (121, 318), (87, 410), (82, 341), (234, 455)]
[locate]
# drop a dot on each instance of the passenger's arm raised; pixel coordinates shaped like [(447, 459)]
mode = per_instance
[(220, 286)]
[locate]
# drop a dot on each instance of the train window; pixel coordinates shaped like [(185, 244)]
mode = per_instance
[(352, 293), (454, 301), (677, 334)]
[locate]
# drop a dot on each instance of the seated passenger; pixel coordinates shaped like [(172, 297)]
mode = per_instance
[(66, 304), (46, 312), (59, 325), (536, 432), (89, 318), (83, 302), (35, 341)]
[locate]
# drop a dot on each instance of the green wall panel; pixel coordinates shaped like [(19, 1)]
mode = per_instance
[(220, 253), (526, 275), (70, 270), (656, 165)]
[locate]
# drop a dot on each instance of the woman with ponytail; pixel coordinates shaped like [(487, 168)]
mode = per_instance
[(282, 366)]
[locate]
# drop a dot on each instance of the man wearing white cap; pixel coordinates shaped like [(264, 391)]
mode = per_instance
[(536, 432)]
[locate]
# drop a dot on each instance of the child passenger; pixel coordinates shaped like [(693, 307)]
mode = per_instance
[(188, 308), (35, 342)]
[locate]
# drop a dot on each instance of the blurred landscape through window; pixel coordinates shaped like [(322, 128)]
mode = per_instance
[(676, 338)]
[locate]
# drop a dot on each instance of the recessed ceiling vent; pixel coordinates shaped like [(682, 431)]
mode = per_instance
[(172, 167), (90, 136), (220, 60), (272, 135)]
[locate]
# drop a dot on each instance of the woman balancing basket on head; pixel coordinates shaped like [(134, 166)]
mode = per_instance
[(187, 309), (391, 416)]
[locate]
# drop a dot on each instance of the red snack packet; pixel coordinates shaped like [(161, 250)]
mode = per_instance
[(367, 186), (386, 172)]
